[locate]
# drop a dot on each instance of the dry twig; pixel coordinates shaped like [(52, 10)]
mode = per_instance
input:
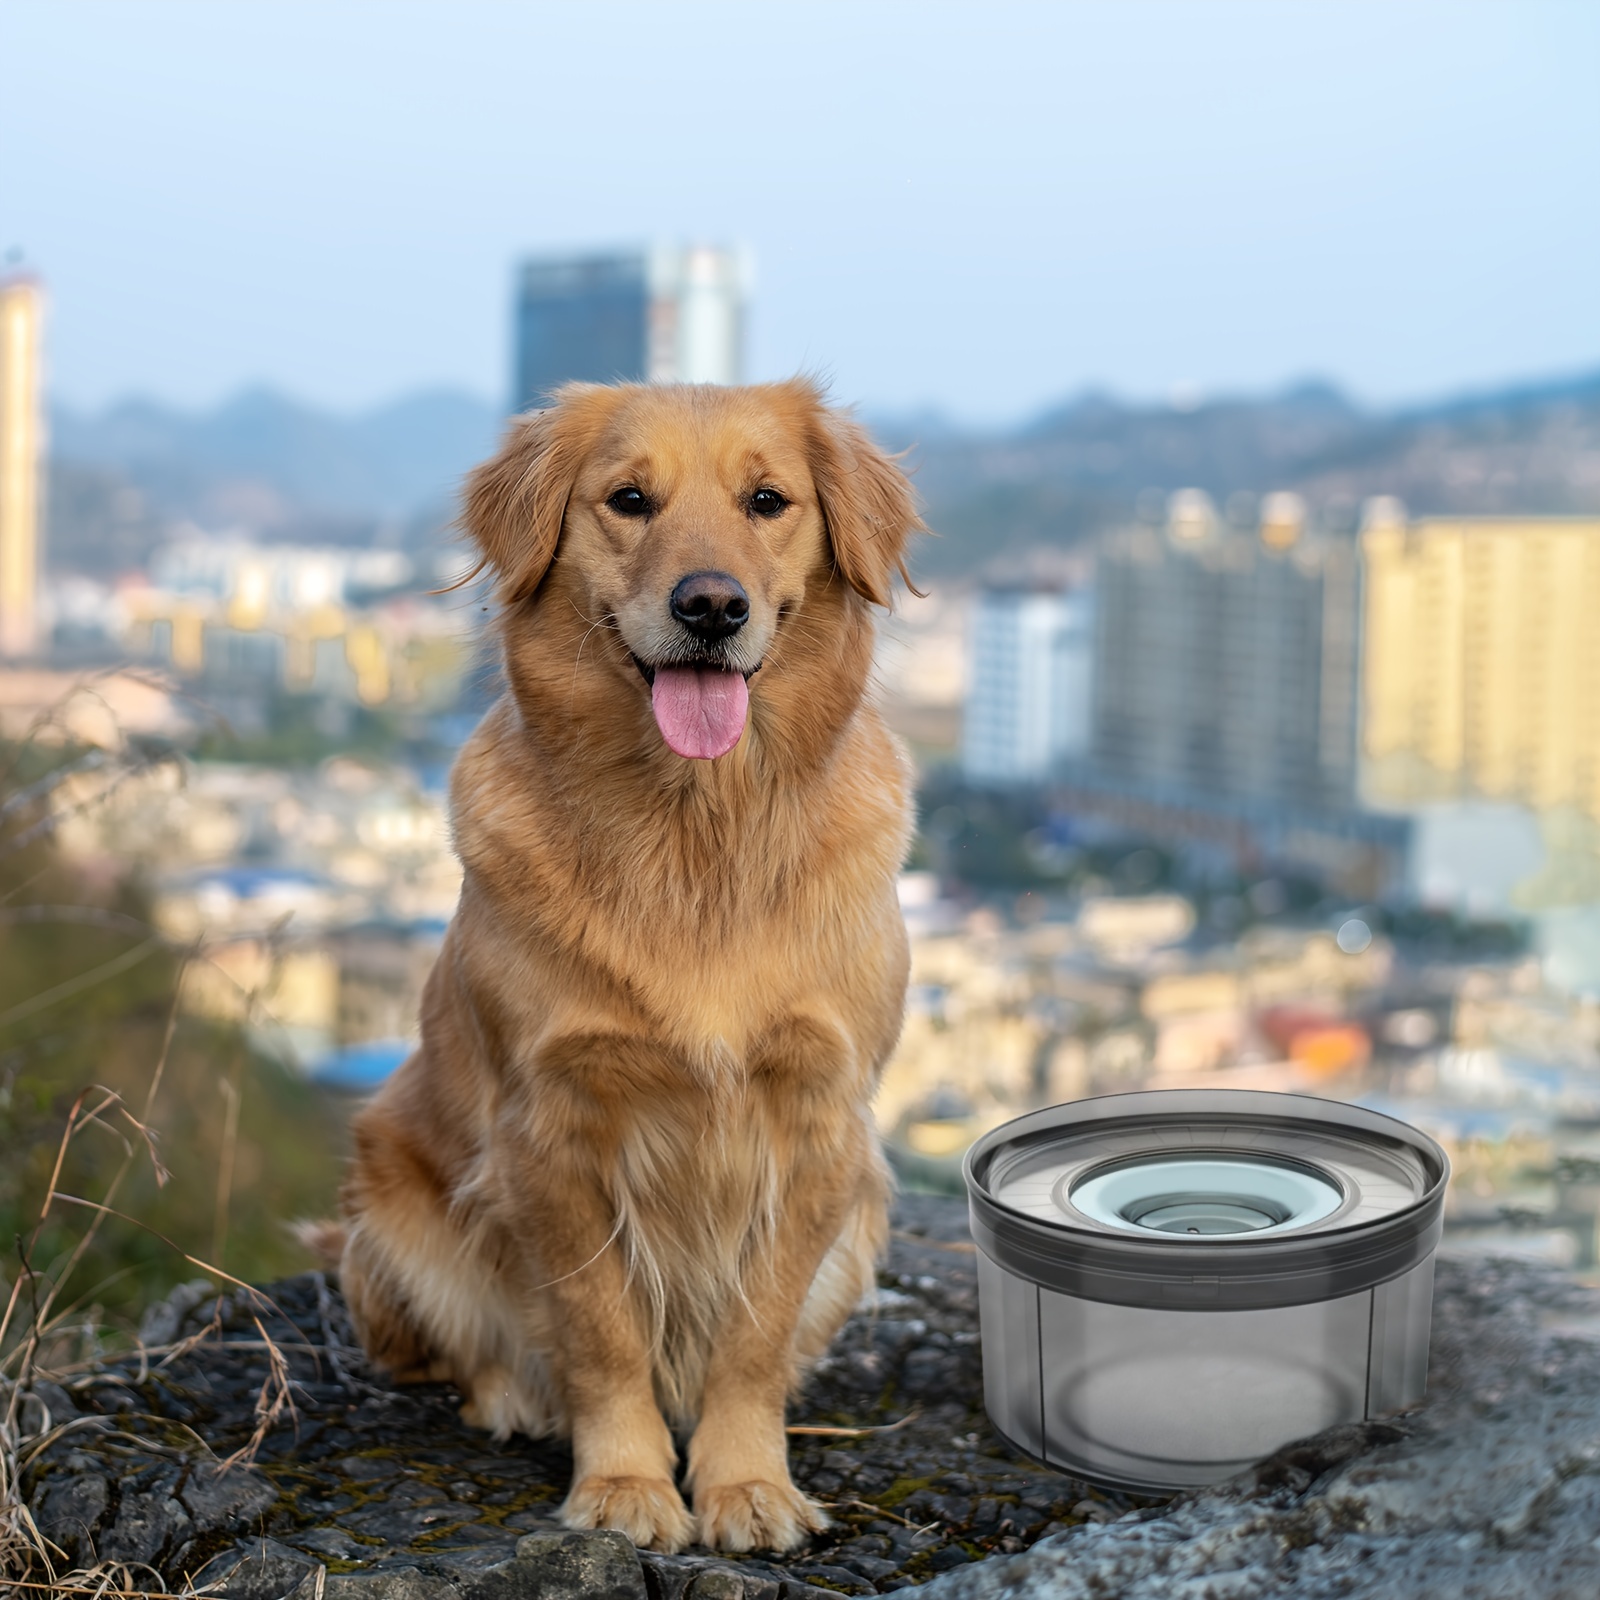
[(821, 1431)]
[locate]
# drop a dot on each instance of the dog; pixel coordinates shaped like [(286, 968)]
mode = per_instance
[(629, 1182)]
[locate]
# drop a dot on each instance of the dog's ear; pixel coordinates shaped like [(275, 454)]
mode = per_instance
[(867, 503), (516, 502)]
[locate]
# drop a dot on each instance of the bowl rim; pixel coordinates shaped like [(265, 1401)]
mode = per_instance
[(1220, 1272)]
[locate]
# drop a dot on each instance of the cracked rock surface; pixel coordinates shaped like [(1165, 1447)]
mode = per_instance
[(1489, 1490), (1492, 1488), (383, 1493)]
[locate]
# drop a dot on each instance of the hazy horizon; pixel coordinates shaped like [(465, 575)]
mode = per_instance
[(1183, 401), (975, 212)]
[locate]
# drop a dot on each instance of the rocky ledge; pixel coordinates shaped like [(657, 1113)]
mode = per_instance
[(1488, 1491), (383, 1493), (366, 1492)]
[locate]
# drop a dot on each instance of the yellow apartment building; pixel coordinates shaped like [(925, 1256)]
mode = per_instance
[(21, 452), (1481, 660)]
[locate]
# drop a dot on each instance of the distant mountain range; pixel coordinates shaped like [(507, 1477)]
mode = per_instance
[(123, 478), (260, 463), (1086, 465)]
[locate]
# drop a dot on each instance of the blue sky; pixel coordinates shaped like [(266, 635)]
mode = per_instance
[(976, 207)]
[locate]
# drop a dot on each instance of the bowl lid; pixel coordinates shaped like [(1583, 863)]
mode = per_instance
[(1210, 1199)]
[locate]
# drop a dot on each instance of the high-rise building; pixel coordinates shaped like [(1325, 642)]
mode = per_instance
[(662, 315), (21, 454), (1226, 666), (1027, 703), (1225, 660), (1481, 665)]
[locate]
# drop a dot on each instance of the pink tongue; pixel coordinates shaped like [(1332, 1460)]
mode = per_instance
[(699, 710)]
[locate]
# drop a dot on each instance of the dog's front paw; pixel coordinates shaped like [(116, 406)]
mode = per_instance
[(756, 1516), (649, 1510)]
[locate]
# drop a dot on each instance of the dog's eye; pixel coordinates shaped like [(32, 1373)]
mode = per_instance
[(768, 503), (630, 501)]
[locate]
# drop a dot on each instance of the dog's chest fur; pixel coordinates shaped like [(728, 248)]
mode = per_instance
[(714, 925)]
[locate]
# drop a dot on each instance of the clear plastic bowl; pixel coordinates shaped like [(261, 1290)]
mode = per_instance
[(1174, 1284)]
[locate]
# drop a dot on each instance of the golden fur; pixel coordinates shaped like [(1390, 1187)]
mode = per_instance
[(630, 1177)]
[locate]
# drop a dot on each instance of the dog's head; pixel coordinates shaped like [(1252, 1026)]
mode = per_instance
[(697, 527)]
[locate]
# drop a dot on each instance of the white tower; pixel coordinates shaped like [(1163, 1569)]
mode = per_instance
[(1028, 699), (697, 298), (21, 451)]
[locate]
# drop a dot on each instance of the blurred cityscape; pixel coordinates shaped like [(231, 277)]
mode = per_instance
[(1259, 739)]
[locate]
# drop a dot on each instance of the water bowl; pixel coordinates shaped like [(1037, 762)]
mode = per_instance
[(1175, 1283)]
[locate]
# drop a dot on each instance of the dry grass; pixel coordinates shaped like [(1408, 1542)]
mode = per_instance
[(50, 1334), (43, 1340)]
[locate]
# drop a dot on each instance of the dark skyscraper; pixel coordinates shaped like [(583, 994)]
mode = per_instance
[(584, 318), (662, 315)]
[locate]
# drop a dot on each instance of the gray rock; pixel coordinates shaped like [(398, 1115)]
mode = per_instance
[(45, 1405), (258, 1569), (674, 1577), (368, 1469), (597, 1566), (68, 1511), (550, 1566), (227, 1501), (399, 1583), (715, 1583), (839, 1580), (873, 1567), (397, 1523), (168, 1320), (396, 1472), (1490, 1491), (334, 1542), (667, 1577), (146, 1526)]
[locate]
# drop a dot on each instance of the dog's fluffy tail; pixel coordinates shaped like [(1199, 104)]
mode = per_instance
[(324, 1239)]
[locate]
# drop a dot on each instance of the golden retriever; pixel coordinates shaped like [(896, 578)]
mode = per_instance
[(629, 1181)]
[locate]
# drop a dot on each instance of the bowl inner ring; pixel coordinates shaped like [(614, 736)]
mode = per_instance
[(1200, 1195)]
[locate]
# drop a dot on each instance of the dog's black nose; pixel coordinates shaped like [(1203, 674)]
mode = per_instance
[(711, 604)]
